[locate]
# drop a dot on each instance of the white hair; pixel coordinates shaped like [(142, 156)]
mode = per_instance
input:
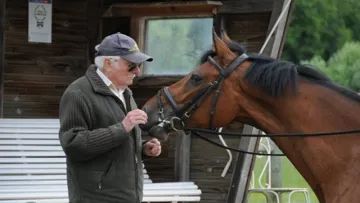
[(99, 60)]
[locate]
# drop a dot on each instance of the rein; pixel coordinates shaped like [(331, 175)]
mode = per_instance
[(177, 124), (196, 131)]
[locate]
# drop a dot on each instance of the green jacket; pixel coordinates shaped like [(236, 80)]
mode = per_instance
[(104, 162)]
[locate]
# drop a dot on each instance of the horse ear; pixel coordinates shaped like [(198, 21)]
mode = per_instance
[(213, 45), (222, 49), (225, 37)]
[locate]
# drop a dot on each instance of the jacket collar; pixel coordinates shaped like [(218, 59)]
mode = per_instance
[(98, 84)]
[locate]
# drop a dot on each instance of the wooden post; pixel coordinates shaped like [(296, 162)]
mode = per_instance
[(94, 15), (218, 23), (281, 29), (182, 156), (276, 167), (2, 54), (276, 41), (243, 166)]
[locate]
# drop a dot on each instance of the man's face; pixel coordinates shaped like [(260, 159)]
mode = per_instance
[(121, 72)]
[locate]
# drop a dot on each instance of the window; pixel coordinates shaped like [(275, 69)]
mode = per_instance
[(176, 33), (176, 44)]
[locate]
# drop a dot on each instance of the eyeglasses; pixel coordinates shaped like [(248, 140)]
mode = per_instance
[(132, 66)]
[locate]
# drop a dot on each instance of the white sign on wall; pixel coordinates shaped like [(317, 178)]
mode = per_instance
[(40, 21)]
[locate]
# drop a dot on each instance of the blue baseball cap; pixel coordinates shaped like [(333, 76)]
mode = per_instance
[(121, 45)]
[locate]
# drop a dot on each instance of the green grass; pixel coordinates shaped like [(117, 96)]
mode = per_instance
[(290, 178)]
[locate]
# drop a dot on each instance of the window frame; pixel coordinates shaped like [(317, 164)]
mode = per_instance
[(140, 12)]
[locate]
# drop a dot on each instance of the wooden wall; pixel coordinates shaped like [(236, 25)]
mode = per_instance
[(248, 28), (37, 74)]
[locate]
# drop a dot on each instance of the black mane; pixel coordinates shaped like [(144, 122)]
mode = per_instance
[(279, 78)]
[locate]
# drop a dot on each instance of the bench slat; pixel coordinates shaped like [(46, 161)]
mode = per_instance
[(30, 120), (45, 182), (171, 199), (33, 166), (30, 125), (145, 199), (29, 148), (152, 186), (32, 160), (40, 177), (33, 182), (29, 142), (28, 136), (33, 154), (28, 131), (60, 194), (159, 192), (36, 201), (44, 170), (33, 171), (33, 177)]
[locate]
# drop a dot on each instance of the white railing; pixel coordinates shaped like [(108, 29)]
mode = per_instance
[(267, 190)]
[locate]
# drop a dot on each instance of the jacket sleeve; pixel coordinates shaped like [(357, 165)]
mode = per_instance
[(77, 140)]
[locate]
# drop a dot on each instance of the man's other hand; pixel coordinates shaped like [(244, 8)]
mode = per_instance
[(152, 147)]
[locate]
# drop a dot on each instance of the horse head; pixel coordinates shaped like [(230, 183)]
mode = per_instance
[(209, 95)]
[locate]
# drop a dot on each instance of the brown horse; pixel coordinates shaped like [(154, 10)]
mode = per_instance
[(276, 97)]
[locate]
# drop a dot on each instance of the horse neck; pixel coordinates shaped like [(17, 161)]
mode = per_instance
[(323, 161)]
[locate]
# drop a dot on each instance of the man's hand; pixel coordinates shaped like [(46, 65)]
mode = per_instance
[(133, 118), (152, 147)]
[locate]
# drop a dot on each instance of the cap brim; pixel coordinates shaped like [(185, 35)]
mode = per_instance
[(137, 57)]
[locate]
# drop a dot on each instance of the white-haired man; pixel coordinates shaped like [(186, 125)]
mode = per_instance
[(99, 130)]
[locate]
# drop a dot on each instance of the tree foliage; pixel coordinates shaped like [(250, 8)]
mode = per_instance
[(326, 35), (321, 27), (343, 66)]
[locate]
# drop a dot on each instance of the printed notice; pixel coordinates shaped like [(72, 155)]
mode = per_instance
[(40, 21)]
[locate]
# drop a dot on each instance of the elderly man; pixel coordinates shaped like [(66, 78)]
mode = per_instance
[(99, 130)]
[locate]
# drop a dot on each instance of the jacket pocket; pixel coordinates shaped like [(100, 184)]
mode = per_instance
[(106, 173)]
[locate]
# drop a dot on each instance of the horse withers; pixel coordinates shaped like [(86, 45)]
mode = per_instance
[(277, 97)]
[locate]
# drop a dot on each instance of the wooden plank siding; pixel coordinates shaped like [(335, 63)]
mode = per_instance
[(37, 74)]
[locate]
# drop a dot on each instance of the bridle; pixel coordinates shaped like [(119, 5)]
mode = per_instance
[(182, 113)]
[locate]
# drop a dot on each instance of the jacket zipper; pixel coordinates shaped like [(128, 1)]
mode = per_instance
[(126, 110), (105, 175), (133, 132), (136, 168)]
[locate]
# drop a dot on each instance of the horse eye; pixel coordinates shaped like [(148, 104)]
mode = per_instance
[(195, 79)]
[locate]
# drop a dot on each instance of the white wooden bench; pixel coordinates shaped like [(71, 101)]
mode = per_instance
[(33, 169)]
